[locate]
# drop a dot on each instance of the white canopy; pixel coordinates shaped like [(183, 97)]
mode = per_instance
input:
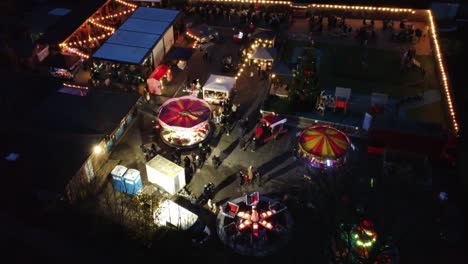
[(219, 83), (174, 214)]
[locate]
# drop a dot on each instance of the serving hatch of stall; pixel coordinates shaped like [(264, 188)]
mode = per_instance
[(218, 88)]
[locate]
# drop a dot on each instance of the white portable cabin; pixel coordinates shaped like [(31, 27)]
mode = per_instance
[(218, 88), (166, 174), (174, 214)]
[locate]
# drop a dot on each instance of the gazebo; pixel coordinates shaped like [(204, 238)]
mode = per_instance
[(324, 146), (184, 121)]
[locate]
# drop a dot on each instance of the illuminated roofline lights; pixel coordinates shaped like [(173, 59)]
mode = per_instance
[(443, 73)]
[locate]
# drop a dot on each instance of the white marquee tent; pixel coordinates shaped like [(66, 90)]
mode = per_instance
[(217, 88), (171, 213)]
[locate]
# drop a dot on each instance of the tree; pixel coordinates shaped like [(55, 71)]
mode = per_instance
[(304, 89)]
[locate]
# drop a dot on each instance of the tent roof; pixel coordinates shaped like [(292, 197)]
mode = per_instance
[(113, 52), (264, 53), (145, 26), (219, 83), (134, 39)]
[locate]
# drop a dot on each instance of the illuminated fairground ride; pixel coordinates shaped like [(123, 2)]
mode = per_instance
[(358, 244), (184, 121), (324, 146), (254, 225)]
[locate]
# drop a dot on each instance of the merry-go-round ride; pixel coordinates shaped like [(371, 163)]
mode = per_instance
[(254, 225), (184, 121), (324, 146)]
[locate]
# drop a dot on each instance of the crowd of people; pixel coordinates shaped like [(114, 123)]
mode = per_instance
[(406, 32), (264, 15)]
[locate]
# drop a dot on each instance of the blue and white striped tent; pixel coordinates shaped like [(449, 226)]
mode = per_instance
[(118, 178), (132, 181)]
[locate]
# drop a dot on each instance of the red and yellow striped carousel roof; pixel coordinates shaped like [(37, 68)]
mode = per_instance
[(324, 142)]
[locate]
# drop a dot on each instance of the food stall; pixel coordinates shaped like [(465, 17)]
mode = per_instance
[(324, 146), (157, 78), (184, 121), (218, 88), (166, 174)]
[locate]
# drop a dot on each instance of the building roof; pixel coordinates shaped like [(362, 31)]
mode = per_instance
[(57, 137), (137, 36)]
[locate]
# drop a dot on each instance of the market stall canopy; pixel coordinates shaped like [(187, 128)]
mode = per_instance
[(179, 53), (261, 53), (159, 72), (324, 142), (137, 36), (219, 83), (182, 113)]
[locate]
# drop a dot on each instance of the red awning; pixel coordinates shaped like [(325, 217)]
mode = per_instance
[(159, 72)]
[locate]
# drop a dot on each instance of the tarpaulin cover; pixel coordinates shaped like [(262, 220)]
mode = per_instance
[(185, 112), (324, 142)]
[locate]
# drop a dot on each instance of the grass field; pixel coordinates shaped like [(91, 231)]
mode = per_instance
[(343, 66)]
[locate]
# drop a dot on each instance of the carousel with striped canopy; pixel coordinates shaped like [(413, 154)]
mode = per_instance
[(184, 121), (324, 146)]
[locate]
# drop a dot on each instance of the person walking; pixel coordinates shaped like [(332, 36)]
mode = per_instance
[(241, 178), (187, 162), (253, 144), (242, 142), (250, 174), (154, 149), (216, 161)]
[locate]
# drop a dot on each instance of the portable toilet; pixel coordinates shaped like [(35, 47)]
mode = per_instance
[(117, 177), (132, 181)]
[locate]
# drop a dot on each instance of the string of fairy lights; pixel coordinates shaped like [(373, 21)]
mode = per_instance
[(443, 72), (72, 46)]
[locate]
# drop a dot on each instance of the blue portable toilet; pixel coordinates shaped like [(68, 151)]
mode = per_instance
[(118, 177), (132, 181)]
